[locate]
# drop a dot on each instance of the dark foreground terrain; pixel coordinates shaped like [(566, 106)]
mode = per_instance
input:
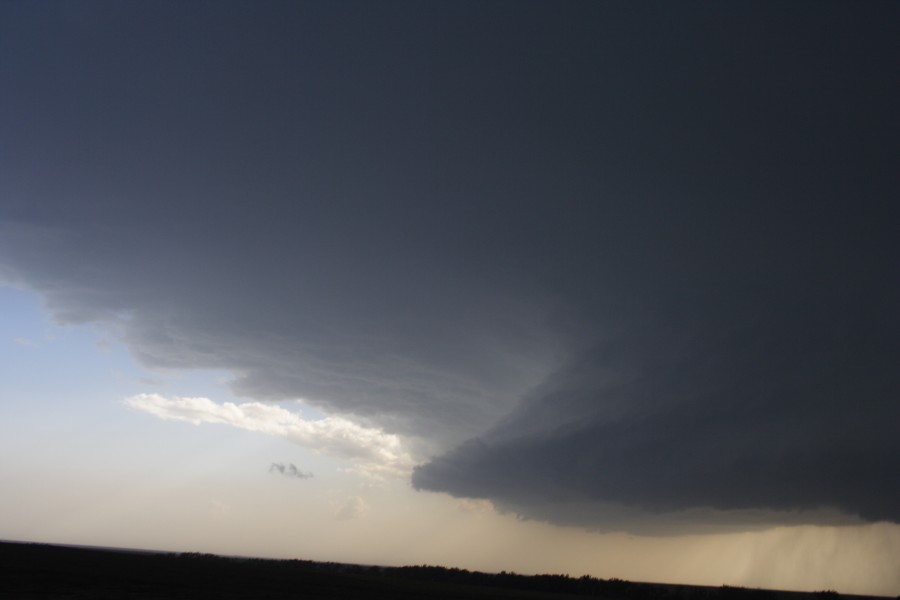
[(46, 571)]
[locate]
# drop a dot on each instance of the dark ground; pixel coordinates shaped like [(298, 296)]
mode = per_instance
[(29, 571)]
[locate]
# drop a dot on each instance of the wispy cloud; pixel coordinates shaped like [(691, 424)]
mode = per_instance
[(354, 508), (290, 470), (373, 452)]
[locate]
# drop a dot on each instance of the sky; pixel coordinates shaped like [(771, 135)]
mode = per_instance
[(604, 288)]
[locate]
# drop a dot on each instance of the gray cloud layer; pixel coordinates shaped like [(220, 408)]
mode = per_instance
[(640, 257)]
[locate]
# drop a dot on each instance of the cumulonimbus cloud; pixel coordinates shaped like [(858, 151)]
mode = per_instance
[(585, 287)]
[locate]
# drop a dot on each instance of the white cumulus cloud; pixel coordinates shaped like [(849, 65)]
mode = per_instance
[(374, 452)]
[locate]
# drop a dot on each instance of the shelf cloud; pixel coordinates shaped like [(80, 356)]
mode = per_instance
[(592, 271)]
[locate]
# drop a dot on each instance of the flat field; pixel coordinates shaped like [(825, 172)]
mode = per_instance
[(42, 571), (31, 571)]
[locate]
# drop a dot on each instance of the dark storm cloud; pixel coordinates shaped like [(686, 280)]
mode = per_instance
[(643, 256), (289, 470), (730, 419)]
